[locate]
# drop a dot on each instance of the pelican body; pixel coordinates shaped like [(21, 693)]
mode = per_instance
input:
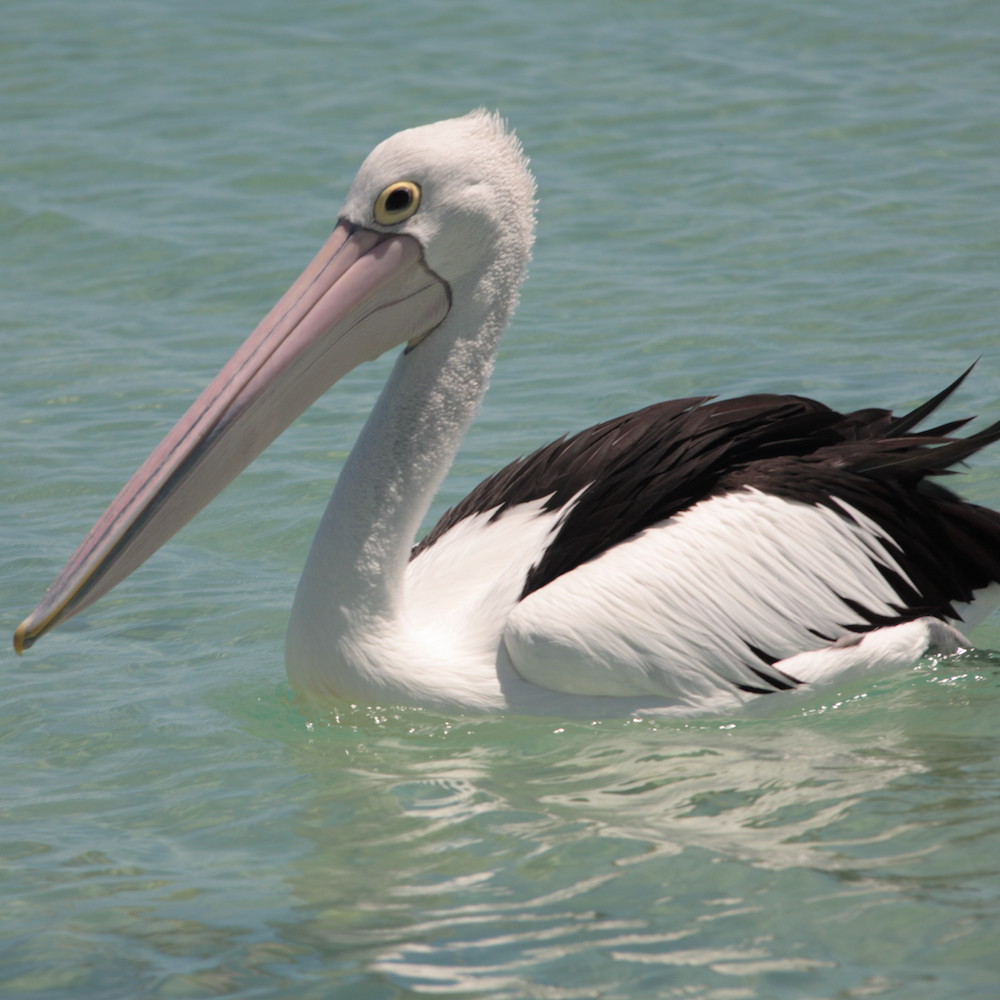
[(694, 555)]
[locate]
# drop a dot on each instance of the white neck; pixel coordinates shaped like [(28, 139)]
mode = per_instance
[(352, 585)]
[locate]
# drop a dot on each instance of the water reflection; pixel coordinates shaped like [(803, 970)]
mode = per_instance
[(513, 858)]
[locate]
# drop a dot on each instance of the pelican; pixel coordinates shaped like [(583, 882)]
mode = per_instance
[(695, 555)]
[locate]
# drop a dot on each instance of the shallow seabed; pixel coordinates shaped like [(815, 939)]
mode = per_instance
[(784, 196)]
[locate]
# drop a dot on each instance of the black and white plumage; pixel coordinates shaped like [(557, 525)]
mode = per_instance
[(695, 554), (748, 486)]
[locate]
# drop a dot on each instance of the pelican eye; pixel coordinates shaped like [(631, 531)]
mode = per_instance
[(397, 203)]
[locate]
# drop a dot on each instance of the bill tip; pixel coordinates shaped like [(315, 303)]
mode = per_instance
[(22, 639)]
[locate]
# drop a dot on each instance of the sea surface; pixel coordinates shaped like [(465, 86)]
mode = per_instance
[(783, 195)]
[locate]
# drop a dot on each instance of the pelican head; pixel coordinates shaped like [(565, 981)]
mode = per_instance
[(436, 214)]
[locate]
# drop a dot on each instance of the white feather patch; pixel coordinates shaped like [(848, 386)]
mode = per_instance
[(674, 611)]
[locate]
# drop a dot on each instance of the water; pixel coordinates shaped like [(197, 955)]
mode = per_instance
[(781, 195)]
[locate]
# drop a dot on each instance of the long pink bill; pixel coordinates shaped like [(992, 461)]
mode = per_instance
[(364, 293)]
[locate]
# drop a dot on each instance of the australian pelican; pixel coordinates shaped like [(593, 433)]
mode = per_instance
[(693, 555)]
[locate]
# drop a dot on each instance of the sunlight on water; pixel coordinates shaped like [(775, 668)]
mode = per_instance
[(519, 847)]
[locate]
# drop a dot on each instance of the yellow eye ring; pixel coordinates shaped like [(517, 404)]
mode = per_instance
[(397, 203)]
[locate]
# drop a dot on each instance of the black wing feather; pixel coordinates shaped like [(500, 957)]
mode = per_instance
[(639, 469)]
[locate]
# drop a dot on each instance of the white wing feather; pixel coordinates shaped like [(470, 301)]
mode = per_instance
[(674, 611)]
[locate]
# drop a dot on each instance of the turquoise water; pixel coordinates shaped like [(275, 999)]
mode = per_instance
[(787, 195)]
